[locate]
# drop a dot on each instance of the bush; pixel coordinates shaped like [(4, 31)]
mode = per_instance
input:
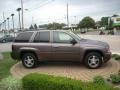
[(46, 82), (10, 83), (99, 80), (111, 32), (115, 78), (116, 57)]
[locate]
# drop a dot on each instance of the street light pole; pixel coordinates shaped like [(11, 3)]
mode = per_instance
[(8, 25), (13, 24), (0, 26), (5, 24), (18, 9), (22, 14)]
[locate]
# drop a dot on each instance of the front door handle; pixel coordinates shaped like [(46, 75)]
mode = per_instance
[(55, 46)]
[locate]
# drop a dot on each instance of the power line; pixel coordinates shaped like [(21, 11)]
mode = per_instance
[(62, 18), (38, 3), (42, 5)]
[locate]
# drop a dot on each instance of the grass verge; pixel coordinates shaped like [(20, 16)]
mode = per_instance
[(116, 56), (5, 65)]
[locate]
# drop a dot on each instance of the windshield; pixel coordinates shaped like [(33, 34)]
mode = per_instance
[(75, 35)]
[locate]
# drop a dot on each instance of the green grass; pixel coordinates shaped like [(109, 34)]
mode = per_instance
[(5, 65), (116, 56)]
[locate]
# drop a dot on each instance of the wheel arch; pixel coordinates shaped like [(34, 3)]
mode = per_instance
[(92, 50), (27, 51)]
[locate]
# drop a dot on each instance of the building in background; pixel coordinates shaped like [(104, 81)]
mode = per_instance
[(116, 24)]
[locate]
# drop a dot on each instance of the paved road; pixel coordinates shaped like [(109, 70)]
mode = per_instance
[(5, 47)]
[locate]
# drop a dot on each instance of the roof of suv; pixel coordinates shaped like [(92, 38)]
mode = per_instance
[(47, 30)]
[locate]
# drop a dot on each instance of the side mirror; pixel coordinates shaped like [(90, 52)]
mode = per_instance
[(73, 41)]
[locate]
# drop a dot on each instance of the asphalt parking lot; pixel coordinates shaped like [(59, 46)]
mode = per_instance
[(5, 47)]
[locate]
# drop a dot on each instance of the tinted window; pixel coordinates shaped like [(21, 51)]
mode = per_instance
[(61, 37), (42, 37), (24, 37)]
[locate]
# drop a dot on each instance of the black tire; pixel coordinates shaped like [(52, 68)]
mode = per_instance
[(96, 55), (32, 56), (3, 41)]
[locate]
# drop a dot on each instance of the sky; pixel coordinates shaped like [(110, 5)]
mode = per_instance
[(48, 11)]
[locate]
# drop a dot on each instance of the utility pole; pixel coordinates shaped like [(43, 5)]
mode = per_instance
[(22, 14), (67, 14)]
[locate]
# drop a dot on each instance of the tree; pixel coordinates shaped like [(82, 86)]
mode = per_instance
[(115, 15), (97, 24), (104, 22), (31, 27), (35, 26), (87, 22), (110, 26), (53, 25)]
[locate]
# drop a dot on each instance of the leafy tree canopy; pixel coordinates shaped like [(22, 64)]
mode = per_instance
[(31, 27), (87, 22)]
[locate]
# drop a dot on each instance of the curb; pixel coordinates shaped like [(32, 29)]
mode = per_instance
[(115, 53)]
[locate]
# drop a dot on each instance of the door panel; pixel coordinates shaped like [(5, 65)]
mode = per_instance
[(66, 52), (44, 51), (43, 45), (62, 48)]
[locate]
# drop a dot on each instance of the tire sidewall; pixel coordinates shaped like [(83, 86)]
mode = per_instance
[(91, 54), (32, 55)]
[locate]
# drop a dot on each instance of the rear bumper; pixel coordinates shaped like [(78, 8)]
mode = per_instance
[(107, 56)]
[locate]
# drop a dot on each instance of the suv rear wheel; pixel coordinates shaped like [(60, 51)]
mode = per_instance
[(93, 60), (29, 60)]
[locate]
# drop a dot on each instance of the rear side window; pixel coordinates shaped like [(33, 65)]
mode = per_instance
[(24, 37), (42, 37)]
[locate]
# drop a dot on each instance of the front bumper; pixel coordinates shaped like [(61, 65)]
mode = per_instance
[(107, 57)]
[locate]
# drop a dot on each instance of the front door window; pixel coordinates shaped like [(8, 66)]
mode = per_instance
[(61, 37)]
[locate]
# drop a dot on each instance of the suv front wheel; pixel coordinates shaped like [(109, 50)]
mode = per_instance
[(93, 60), (29, 60)]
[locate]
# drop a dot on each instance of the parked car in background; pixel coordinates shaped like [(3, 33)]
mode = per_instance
[(102, 33), (82, 31), (58, 45), (6, 38)]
